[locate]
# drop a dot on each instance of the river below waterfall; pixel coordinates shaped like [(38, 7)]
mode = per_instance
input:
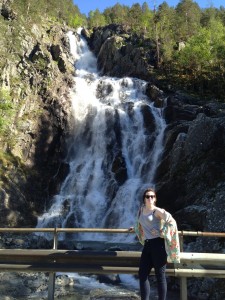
[(24, 286)]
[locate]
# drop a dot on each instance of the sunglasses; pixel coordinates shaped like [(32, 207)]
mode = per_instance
[(149, 196)]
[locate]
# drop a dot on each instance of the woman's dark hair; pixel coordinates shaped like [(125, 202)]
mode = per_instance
[(146, 191)]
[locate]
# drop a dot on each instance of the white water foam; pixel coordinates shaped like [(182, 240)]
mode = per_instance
[(110, 132)]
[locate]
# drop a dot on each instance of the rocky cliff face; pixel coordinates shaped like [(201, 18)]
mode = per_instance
[(190, 178), (31, 163), (121, 53)]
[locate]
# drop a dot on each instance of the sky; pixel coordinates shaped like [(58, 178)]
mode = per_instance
[(86, 6)]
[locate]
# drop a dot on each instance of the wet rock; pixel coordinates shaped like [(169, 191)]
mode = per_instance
[(99, 294), (119, 169), (110, 279)]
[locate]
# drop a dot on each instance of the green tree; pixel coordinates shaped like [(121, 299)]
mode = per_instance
[(96, 19), (27, 10), (197, 54), (76, 21), (208, 14), (32, 11), (221, 14), (147, 21), (145, 7), (202, 59), (166, 19), (217, 38), (188, 16), (135, 15), (118, 14)]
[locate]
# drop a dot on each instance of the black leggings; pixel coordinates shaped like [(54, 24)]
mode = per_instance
[(153, 256)]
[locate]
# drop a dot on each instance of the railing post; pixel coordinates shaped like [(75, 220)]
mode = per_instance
[(51, 283), (183, 280), (55, 239), (183, 288)]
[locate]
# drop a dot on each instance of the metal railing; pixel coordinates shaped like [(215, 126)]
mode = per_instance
[(106, 262)]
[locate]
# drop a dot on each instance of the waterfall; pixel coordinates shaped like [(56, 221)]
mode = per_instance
[(114, 153)]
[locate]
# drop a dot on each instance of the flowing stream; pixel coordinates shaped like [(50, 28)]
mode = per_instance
[(116, 148)]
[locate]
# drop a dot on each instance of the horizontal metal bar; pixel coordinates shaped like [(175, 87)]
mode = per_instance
[(105, 262), (69, 268), (80, 253), (25, 230), (45, 252), (99, 230), (73, 257), (67, 230), (202, 233), (176, 272), (199, 273), (203, 258), (119, 258), (103, 230)]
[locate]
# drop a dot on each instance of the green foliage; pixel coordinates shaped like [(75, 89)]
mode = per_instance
[(146, 21), (217, 34), (6, 110), (188, 16), (75, 21), (205, 49), (200, 65), (118, 14), (197, 53), (32, 11), (96, 19), (135, 15), (8, 161), (165, 19), (208, 14), (15, 37)]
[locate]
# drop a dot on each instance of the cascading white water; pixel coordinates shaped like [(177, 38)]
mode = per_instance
[(116, 148)]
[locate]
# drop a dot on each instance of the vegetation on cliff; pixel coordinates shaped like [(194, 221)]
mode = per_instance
[(189, 42), (19, 22), (36, 72)]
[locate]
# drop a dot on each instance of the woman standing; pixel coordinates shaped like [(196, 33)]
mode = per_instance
[(154, 254)]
